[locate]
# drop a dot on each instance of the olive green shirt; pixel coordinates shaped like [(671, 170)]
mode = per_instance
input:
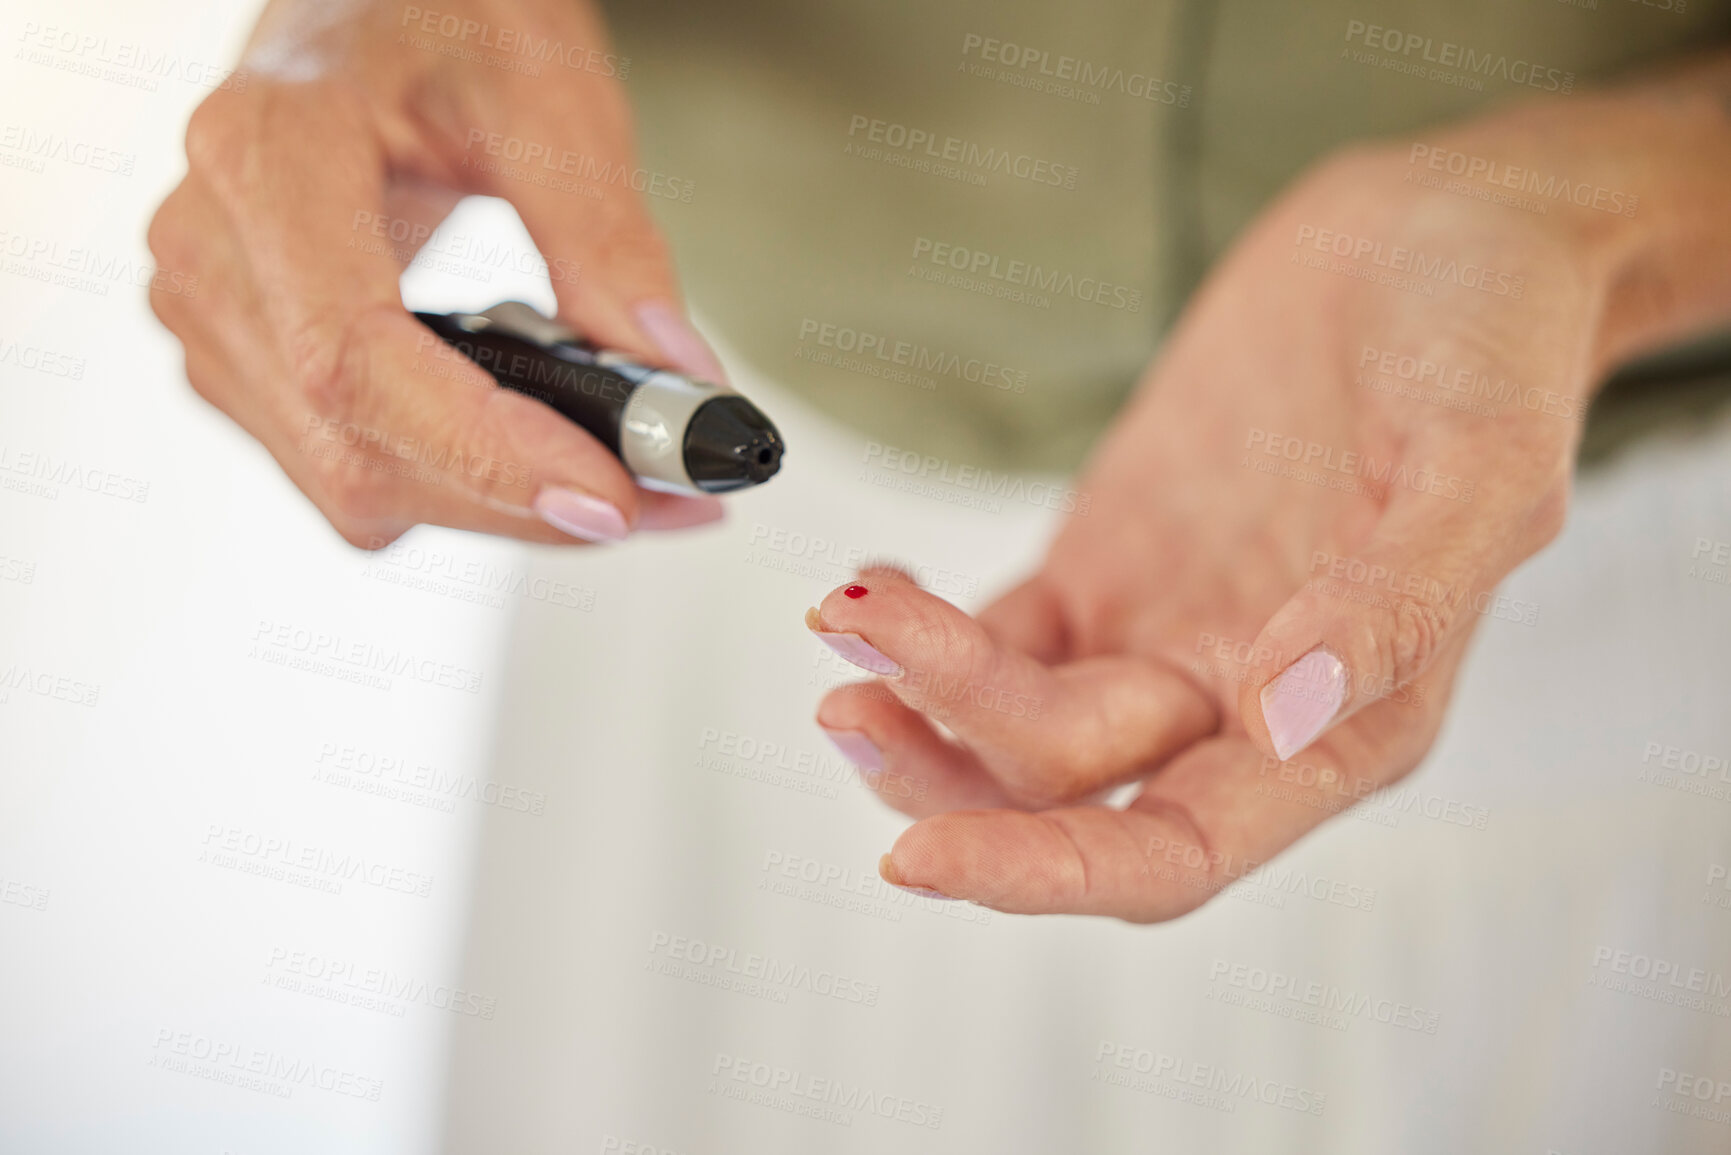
[(963, 227)]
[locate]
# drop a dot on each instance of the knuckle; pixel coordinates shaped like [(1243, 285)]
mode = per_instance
[(211, 134), (326, 364), (1418, 633), (355, 494)]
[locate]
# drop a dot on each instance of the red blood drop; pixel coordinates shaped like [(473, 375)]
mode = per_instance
[(856, 591)]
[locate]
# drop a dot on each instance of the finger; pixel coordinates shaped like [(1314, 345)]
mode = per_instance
[(1375, 618), (225, 337), (1047, 734), (611, 268), (1213, 816), (397, 429), (901, 756), (1029, 618)]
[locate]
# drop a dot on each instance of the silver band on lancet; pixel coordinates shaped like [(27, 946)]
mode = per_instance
[(652, 434)]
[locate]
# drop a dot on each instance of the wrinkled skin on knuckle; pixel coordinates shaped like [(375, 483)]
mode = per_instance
[(1418, 634), (328, 360)]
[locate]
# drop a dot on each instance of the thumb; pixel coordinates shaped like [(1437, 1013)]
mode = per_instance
[(1369, 621)]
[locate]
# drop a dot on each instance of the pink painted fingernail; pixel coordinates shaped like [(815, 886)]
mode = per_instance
[(580, 515), (1299, 705), (856, 748), (888, 872), (852, 647), (683, 347)]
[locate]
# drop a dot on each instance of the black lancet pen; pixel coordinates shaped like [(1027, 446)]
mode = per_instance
[(677, 434)]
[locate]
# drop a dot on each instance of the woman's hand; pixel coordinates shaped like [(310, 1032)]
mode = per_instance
[(1364, 421), (349, 131)]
